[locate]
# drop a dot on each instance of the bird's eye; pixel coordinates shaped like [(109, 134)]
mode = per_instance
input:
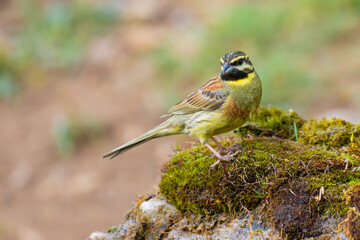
[(239, 62)]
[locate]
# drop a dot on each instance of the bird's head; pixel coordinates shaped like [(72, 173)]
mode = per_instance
[(235, 66)]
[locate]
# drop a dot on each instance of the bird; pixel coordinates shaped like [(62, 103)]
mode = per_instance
[(222, 104)]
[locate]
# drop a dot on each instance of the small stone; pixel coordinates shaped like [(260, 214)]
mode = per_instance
[(100, 236)]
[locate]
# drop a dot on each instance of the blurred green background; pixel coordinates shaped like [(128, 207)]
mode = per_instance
[(295, 46), (80, 77)]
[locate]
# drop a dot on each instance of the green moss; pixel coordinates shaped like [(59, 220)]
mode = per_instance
[(112, 229), (352, 223), (332, 133), (327, 133), (265, 166), (273, 121)]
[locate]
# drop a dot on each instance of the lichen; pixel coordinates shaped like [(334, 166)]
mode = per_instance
[(151, 218)]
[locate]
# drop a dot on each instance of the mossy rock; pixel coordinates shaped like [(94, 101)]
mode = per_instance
[(264, 166), (291, 183)]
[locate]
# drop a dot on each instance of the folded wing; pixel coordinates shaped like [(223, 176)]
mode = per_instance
[(210, 96)]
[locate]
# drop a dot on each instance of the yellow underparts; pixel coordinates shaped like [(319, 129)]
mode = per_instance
[(211, 124)]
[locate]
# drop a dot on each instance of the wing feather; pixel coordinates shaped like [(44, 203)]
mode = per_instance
[(210, 96)]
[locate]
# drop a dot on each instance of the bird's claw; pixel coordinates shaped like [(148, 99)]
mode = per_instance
[(232, 148), (225, 158), (215, 164)]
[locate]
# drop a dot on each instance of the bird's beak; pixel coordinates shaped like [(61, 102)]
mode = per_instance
[(226, 68)]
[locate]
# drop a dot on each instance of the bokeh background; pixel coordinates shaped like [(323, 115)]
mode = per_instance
[(78, 78)]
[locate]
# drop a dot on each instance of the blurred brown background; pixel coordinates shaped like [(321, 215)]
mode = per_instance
[(78, 78)]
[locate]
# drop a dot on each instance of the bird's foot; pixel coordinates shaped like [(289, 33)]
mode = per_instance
[(225, 158), (223, 149), (236, 147)]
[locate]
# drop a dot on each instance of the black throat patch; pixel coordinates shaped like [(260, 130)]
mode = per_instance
[(234, 75)]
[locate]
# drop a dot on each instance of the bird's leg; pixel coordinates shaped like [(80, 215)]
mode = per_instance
[(224, 149), (222, 159), (221, 147)]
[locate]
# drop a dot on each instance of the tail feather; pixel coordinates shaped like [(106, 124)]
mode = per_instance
[(159, 131), (125, 147)]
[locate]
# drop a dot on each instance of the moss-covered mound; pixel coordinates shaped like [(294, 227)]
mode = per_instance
[(265, 166), (290, 183)]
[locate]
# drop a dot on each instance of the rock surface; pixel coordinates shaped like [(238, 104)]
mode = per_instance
[(155, 218)]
